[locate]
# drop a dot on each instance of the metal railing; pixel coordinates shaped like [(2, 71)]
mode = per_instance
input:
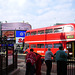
[(70, 66), (7, 65)]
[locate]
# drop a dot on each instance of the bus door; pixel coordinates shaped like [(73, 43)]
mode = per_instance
[(71, 48)]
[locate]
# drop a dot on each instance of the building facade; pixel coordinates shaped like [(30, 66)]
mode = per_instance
[(15, 33)]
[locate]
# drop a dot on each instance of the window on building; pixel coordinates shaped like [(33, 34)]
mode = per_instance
[(41, 32), (33, 33), (48, 45), (58, 30), (40, 45), (33, 45), (28, 33), (68, 28), (48, 31), (57, 45)]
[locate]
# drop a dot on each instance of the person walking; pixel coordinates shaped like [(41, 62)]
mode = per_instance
[(30, 63), (48, 61), (38, 64), (61, 58)]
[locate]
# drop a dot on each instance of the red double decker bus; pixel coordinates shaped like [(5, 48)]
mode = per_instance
[(53, 36)]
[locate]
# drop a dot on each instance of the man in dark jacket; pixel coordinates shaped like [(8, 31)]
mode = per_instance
[(61, 58)]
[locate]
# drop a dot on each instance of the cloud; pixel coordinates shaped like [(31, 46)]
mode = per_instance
[(39, 13)]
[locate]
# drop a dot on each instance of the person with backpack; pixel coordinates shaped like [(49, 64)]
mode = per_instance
[(30, 63)]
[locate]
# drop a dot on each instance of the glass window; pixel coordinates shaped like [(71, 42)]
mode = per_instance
[(33, 45), (48, 31), (26, 46), (57, 45), (56, 30), (69, 45), (41, 32), (40, 45), (33, 33), (68, 28), (28, 33), (48, 45)]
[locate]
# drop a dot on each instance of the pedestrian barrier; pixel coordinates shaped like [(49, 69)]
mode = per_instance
[(8, 63), (0, 65), (70, 67)]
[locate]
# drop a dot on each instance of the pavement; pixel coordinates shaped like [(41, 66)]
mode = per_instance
[(22, 68)]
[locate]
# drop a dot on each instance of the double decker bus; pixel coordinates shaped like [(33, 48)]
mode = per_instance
[(53, 36)]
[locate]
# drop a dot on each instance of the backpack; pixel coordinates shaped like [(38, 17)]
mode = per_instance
[(30, 58)]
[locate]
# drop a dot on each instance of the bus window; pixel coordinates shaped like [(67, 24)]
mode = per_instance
[(48, 45), (33, 33), (40, 45), (26, 46), (48, 31), (68, 28), (57, 45), (28, 33), (41, 32), (69, 47), (33, 45), (57, 30)]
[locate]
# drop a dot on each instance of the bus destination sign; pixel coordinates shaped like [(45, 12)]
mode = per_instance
[(70, 36)]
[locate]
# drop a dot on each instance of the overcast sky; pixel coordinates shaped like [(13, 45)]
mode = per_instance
[(39, 13)]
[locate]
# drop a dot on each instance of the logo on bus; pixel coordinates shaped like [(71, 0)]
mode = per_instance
[(40, 51)]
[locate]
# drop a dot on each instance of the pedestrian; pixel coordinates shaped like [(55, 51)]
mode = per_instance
[(48, 61), (61, 58), (38, 64), (30, 62)]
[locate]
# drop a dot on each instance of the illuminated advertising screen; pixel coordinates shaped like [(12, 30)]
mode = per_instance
[(20, 33), (19, 40), (8, 33)]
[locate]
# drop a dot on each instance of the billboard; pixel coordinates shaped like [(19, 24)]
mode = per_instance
[(19, 40), (20, 33), (8, 33)]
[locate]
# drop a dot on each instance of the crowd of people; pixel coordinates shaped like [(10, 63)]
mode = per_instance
[(34, 62)]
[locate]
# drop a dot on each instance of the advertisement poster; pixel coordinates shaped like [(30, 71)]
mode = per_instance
[(20, 33), (8, 33), (10, 57), (19, 40)]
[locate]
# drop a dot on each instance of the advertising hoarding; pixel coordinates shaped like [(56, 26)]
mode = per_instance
[(19, 40), (20, 33), (8, 33)]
